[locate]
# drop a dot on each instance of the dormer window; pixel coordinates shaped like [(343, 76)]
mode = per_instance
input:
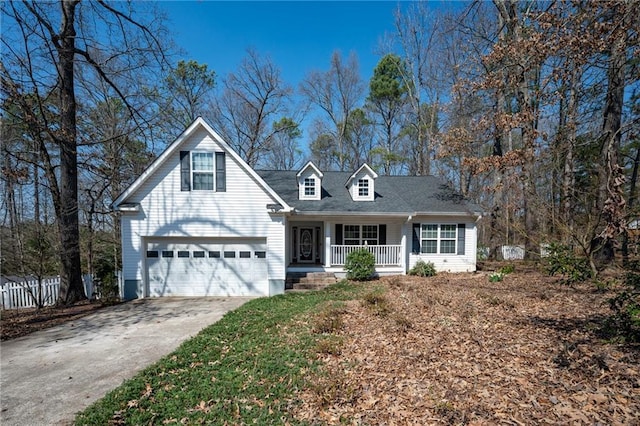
[(361, 184), (309, 182), (309, 187), (363, 187)]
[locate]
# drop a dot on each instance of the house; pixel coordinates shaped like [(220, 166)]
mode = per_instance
[(200, 221)]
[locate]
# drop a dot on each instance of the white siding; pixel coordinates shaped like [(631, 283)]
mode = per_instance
[(446, 262), (167, 211)]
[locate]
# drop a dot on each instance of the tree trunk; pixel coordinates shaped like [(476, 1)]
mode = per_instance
[(568, 173), (10, 200), (71, 287), (499, 204), (609, 198), (631, 202)]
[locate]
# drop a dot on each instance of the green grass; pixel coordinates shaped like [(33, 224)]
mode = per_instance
[(243, 369)]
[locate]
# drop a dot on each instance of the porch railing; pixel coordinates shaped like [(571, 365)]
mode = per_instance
[(385, 255)]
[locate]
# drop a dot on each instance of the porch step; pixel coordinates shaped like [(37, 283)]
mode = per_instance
[(309, 280)]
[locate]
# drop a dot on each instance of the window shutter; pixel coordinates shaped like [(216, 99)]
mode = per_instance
[(185, 171), (461, 230), (416, 238), (295, 243), (221, 172), (338, 234), (382, 234)]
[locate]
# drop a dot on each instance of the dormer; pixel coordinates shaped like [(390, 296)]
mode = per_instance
[(309, 182), (361, 184)]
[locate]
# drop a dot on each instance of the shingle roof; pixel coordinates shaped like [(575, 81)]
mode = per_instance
[(393, 194)]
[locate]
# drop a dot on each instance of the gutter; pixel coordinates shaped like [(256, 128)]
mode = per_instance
[(325, 213), (446, 214)]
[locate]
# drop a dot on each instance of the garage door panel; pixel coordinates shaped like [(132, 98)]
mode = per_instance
[(207, 268)]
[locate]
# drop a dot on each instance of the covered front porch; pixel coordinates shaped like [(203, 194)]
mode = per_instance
[(323, 246)]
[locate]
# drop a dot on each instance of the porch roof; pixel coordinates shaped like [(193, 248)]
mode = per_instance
[(408, 195)]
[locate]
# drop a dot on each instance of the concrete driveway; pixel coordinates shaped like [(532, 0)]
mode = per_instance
[(48, 376)]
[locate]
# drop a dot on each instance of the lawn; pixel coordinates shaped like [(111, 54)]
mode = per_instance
[(450, 349)]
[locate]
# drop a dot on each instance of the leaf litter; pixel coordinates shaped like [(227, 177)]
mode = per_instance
[(457, 349)]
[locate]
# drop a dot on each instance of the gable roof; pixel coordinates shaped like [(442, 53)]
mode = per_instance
[(197, 124), (399, 195), (365, 168), (313, 166)]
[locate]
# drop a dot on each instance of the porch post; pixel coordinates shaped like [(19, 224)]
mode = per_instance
[(403, 249), (327, 244)]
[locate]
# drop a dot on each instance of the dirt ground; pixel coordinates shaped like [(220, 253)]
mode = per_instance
[(458, 349), (20, 322)]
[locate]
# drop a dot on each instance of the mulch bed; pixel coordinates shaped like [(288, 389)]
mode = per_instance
[(457, 349), (20, 322)]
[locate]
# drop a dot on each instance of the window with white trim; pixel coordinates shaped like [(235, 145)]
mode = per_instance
[(363, 187), (197, 170), (357, 235), (202, 171), (309, 187), (438, 238)]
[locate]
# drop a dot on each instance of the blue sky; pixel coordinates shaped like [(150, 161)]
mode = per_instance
[(300, 36)]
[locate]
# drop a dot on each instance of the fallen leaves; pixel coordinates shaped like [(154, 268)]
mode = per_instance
[(456, 349), (20, 322)]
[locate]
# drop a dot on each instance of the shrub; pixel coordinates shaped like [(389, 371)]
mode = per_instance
[(105, 280), (562, 260), (508, 269), (495, 277), (482, 253), (360, 265), (625, 322), (423, 269)]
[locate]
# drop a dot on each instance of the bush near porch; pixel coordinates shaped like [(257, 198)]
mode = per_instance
[(360, 265)]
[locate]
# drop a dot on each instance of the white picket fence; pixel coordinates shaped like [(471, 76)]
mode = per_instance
[(517, 252), (26, 294), (512, 252)]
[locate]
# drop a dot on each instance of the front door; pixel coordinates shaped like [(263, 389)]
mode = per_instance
[(306, 245)]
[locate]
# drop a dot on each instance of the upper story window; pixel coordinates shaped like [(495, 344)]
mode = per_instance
[(363, 187), (309, 187), (199, 171), (202, 170)]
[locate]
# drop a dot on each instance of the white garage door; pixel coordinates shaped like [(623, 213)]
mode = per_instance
[(214, 267)]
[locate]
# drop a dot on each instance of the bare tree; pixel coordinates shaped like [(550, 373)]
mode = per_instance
[(284, 150), (252, 99), (48, 46), (361, 146), (416, 29), (188, 91), (337, 92)]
